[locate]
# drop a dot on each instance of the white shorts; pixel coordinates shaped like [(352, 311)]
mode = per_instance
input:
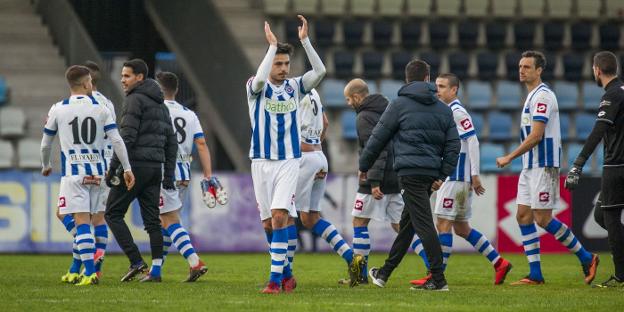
[(79, 194), (389, 208), (454, 201), (104, 190), (309, 189), (275, 184), (172, 200), (539, 188)]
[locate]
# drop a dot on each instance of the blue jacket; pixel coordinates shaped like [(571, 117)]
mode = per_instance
[(423, 132)]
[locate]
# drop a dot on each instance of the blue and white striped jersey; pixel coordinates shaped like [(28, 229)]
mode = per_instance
[(187, 128), (541, 105), (107, 152), (81, 123), (466, 129), (273, 116), (310, 115)]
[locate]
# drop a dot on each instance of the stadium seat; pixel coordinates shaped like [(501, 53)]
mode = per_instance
[(588, 8), (496, 32), (489, 153), (553, 35), (332, 93), (12, 122), (559, 9), (292, 32), (567, 95), (532, 8), (448, 8), (390, 88), (28, 151), (334, 7), (572, 150), (573, 66), (500, 126), (512, 59), (516, 164), (372, 87), (487, 63), (610, 36), (477, 121), (548, 74), (343, 64), (504, 8), (584, 123), (433, 59), (419, 7), (372, 62), (306, 7), (349, 129), (439, 34), (508, 95), (614, 9), (324, 31), (458, 64), (468, 32), (4, 91), (599, 156), (353, 30), (478, 94), (410, 33), (581, 35), (7, 155), (364, 8), (476, 8), (524, 33), (382, 33), (564, 122), (592, 94), (275, 7), (390, 8), (399, 60)]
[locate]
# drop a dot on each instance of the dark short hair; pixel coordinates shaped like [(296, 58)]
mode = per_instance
[(284, 48), (416, 70), (607, 62), (168, 81), (452, 78), (75, 74), (538, 57), (138, 67), (95, 71)]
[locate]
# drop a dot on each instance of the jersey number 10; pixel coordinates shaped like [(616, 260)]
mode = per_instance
[(87, 130)]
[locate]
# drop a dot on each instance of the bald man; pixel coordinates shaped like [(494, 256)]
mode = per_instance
[(379, 196)]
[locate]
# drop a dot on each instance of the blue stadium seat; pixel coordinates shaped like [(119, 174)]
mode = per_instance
[(500, 126), (372, 87), (584, 123), (382, 33), (353, 30), (567, 95), (573, 66), (487, 63), (516, 164), (468, 32), (512, 59), (372, 62), (479, 94), (433, 59), (410, 33), (489, 153), (349, 129), (592, 94), (508, 95), (610, 36), (572, 150), (4, 91), (524, 33), (548, 74), (439, 34), (458, 63), (495, 33), (343, 64), (477, 121), (390, 88), (399, 60), (292, 32), (599, 154), (324, 31), (553, 35), (332, 93), (564, 121), (581, 35)]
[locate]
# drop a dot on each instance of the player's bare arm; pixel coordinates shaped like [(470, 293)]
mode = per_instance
[(537, 132), (204, 157)]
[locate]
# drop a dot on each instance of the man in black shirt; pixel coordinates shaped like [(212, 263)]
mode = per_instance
[(609, 127)]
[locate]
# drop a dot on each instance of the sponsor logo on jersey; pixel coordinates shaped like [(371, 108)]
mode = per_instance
[(61, 202), (447, 203), (359, 205), (280, 107), (466, 124), (541, 108), (602, 114), (544, 196), (84, 158)]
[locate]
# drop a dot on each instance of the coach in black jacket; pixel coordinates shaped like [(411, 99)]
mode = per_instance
[(148, 134), (426, 148)]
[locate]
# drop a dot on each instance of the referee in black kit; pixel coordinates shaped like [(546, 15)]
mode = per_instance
[(609, 127), (148, 134)]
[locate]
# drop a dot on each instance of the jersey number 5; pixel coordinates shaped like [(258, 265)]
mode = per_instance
[(87, 131)]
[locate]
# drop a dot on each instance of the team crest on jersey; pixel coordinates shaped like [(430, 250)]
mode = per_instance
[(544, 196), (466, 124), (289, 89), (447, 203), (541, 107), (61, 202), (359, 205)]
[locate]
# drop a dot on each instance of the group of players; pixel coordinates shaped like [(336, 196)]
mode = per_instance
[(289, 170)]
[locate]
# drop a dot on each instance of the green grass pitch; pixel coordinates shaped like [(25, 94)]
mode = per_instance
[(32, 283)]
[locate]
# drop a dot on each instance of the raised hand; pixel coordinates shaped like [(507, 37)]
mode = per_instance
[(303, 29), (269, 34)]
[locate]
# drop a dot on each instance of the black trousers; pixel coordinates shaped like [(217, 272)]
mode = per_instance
[(416, 218), (147, 190), (608, 214)]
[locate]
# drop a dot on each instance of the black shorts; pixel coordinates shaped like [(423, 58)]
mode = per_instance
[(612, 196)]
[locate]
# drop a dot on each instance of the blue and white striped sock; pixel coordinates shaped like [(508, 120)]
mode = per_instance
[(290, 254), (70, 224), (76, 262), (101, 240), (330, 234), (565, 236), (481, 243), (361, 245), (183, 244), (531, 243), (420, 250), (446, 242), (156, 267), (279, 248), (86, 247), (166, 244)]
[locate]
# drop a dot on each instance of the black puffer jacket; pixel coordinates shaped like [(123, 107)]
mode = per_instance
[(423, 132), (146, 129), (381, 173)]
